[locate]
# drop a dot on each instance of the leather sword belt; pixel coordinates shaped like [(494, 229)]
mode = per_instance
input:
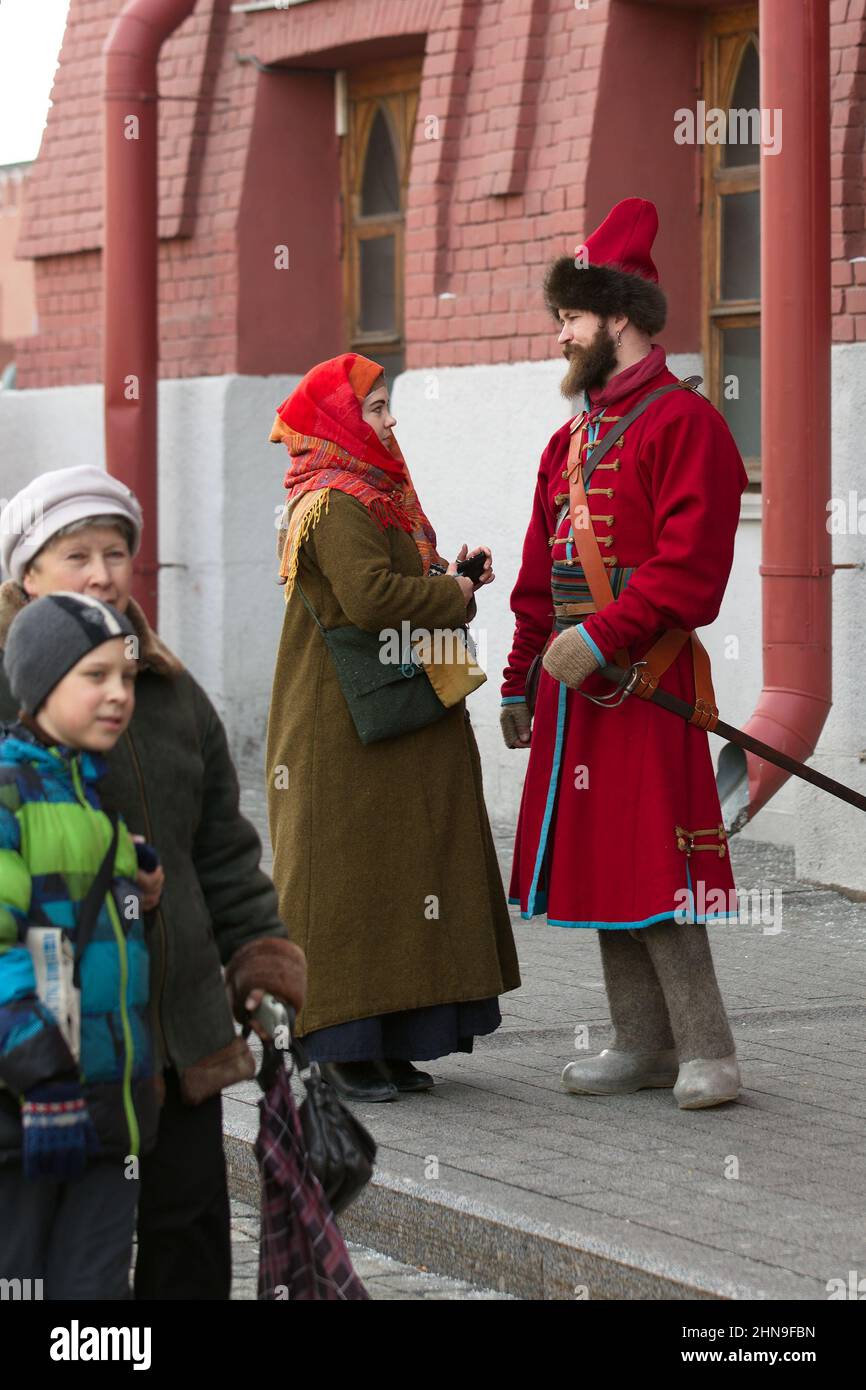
[(573, 610)]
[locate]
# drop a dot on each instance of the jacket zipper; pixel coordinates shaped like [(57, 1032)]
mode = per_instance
[(129, 1108), (163, 935)]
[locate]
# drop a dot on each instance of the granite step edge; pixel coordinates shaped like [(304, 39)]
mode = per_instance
[(464, 1238)]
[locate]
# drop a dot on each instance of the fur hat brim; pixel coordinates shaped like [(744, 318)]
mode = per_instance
[(606, 291)]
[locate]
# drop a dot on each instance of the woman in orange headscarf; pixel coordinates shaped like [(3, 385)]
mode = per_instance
[(383, 857)]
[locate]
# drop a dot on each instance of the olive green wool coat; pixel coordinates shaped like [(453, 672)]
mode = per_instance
[(384, 862)]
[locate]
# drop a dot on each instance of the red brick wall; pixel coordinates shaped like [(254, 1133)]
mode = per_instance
[(848, 167), (546, 114), (17, 292), (65, 194)]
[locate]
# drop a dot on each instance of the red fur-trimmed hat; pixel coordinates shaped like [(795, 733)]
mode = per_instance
[(613, 271)]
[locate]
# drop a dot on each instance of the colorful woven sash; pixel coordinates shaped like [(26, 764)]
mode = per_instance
[(569, 586)]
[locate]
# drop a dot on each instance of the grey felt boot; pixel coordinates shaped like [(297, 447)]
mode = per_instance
[(702, 1084), (681, 956), (642, 1054)]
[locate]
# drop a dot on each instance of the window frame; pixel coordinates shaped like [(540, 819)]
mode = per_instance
[(394, 87), (726, 36)]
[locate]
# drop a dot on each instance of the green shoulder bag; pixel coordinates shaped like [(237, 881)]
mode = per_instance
[(385, 699)]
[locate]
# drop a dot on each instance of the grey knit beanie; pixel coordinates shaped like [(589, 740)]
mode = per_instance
[(50, 635)]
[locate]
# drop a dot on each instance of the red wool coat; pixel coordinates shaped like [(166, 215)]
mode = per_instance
[(605, 789)]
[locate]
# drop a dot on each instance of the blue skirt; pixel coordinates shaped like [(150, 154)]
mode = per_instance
[(411, 1035)]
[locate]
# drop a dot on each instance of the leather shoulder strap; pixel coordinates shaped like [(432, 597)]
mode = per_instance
[(666, 649), (578, 478), (689, 383), (310, 608)]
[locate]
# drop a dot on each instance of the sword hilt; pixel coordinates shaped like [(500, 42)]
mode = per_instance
[(623, 678)]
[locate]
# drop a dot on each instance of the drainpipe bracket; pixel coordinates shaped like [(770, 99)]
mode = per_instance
[(794, 572)]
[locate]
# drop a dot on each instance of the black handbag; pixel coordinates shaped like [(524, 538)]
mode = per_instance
[(340, 1150), (385, 699)]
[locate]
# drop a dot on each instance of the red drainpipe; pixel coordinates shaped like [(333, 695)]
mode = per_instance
[(796, 564), (130, 339)]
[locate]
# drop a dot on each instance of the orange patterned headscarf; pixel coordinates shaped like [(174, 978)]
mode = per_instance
[(333, 447)]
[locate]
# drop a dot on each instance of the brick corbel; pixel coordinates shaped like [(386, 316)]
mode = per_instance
[(519, 59)]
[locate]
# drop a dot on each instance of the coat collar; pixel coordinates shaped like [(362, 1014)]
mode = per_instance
[(635, 376), (153, 653), (22, 746)]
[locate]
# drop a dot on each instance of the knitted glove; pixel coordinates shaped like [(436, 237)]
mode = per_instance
[(271, 963), (58, 1136), (515, 720), (570, 659)]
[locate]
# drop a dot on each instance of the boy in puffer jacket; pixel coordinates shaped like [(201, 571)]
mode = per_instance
[(78, 1099)]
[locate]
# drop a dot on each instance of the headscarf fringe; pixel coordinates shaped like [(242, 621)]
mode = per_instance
[(296, 537)]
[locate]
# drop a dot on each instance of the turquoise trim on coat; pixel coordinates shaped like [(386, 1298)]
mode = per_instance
[(626, 926), (514, 699), (552, 788), (691, 892), (645, 922), (593, 646)]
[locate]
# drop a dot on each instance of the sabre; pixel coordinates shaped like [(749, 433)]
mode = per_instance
[(625, 681)]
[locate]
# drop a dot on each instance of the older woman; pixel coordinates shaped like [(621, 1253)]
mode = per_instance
[(383, 857), (172, 779)]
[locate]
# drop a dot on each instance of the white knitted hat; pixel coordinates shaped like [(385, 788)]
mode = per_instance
[(54, 500)]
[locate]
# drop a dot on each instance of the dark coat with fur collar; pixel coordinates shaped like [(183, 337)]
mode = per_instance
[(172, 778)]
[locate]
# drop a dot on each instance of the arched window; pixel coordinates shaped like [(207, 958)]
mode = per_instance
[(732, 228), (382, 101)]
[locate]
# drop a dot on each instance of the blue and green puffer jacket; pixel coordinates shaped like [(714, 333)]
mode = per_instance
[(53, 838)]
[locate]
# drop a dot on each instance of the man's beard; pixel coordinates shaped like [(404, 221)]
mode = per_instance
[(589, 367)]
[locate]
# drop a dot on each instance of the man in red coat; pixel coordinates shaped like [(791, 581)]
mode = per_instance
[(620, 827)]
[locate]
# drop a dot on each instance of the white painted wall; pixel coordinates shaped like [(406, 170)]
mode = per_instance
[(473, 437), (829, 836)]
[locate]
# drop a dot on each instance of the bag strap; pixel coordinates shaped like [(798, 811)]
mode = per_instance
[(579, 473), (689, 383), (665, 651), (310, 608), (92, 904)]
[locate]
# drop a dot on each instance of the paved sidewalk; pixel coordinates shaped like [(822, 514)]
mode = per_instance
[(501, 1177)]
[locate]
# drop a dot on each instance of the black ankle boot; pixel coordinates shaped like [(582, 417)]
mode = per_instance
[(406, 1077), (359, 1080)]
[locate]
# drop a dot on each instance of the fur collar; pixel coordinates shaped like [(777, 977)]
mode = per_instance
[(155, 655)]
